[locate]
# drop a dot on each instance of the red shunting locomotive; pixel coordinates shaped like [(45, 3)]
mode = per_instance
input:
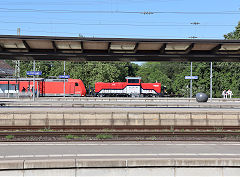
[(132, 87)]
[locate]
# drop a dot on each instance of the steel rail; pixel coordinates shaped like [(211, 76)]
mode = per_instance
[(120, 127), (114, 133)]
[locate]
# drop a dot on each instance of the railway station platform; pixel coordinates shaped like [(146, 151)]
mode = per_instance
[(112, 159)]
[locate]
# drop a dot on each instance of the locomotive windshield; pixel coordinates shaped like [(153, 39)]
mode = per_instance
[(133, 80)]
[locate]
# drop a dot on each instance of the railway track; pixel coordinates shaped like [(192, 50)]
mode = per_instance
[(122, 133), (119, 133), (126, 127)]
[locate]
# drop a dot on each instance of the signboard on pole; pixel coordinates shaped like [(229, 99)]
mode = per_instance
[(34, 73), (63, 76), (191, 77)]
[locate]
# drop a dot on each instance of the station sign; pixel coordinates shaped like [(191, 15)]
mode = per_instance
[(64, 76), (34, 73), (191, 77)]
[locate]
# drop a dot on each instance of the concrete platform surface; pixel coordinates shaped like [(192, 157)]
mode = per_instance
[(107, 110), (121, 103), (117, 163), (119, 150), (128, 99), (178, 116), (179, 159)]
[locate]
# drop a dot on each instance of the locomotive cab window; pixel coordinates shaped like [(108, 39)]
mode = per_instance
[(76, 84), (133, 80)]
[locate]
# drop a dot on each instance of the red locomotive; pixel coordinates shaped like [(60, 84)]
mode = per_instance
[(43, 87), (55, 87), (132, 87)]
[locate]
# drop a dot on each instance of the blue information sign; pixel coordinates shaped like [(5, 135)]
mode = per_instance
[(32, 73), (64, 76), (191, 77)]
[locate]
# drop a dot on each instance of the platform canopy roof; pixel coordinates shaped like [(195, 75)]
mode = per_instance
[(117, 49)]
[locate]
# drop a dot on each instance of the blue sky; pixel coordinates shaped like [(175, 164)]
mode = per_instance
[(120, 18)]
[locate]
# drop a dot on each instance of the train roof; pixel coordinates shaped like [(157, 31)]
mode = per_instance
[(133, 78), (20, 79), (55, 80)]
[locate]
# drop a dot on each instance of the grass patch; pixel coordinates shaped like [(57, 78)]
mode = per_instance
[(218, 129), (182, 130), (172, 129), (107, 130), (104, 136), (153, 138), (9, 137), (46, 130), (71, 136), (139, 138), (84, 137), (165, 130)]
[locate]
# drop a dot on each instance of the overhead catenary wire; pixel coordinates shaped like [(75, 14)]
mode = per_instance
[(99, 19), (69, 2), (102, 34), (86, 2), (119, 12), (111, 24)]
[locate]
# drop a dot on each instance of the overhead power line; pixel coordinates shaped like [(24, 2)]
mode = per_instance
[(100, 34), (118, 12), (108, 24)]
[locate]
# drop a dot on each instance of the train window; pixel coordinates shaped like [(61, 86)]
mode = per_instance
[(133, 80), (76, 84)]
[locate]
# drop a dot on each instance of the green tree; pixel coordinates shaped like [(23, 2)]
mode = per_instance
[(152, 72), (228, 73), (235, 34)]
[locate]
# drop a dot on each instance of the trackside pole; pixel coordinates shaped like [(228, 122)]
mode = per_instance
[(211, 82), (191, 82), (33, 90), (8, 89), (64, 78), (37, 89)]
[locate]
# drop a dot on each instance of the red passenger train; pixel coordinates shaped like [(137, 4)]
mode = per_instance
[(132, 87), (43, 87)]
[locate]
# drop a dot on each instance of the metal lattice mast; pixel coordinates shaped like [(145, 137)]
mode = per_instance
[(17, 66)]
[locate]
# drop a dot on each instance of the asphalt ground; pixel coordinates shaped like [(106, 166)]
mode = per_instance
[(119, 150)]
